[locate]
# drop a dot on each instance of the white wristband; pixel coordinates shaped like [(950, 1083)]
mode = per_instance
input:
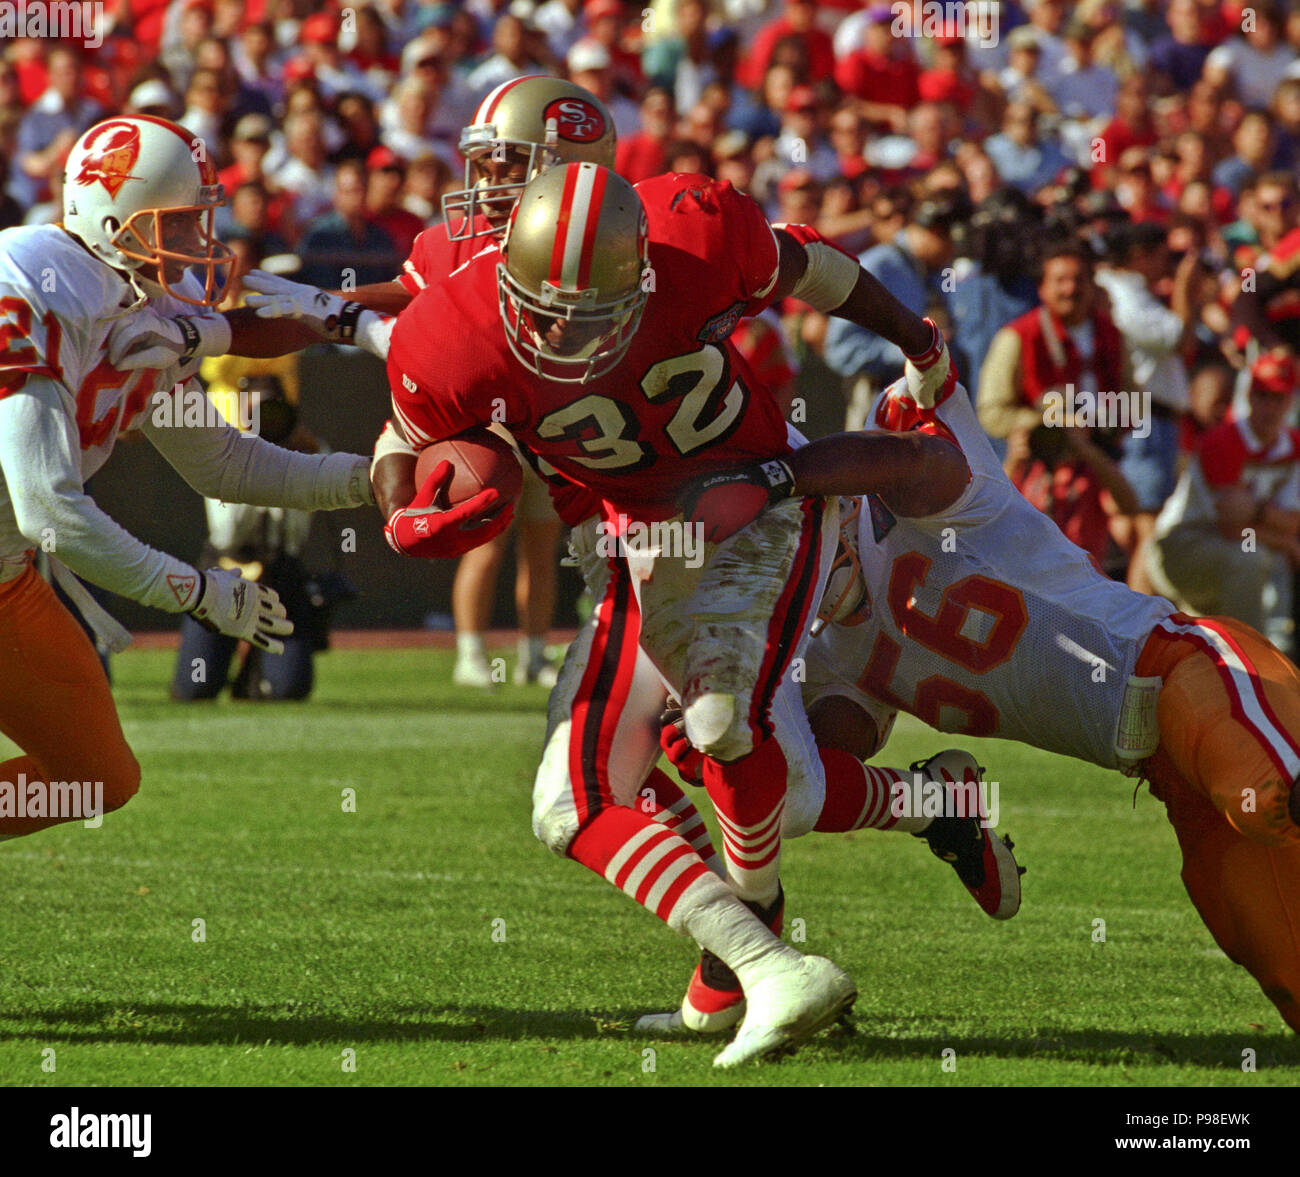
[(214, 334), (374, 332)]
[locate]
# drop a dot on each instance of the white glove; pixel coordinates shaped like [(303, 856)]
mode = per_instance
[(241, 608), (927, 374), (327, 314), (146, 339)]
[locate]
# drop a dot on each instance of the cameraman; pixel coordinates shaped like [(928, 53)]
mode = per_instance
[(1067, 343), (264, 544)]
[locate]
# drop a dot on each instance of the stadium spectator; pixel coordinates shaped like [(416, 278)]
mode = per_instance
[(683, 62), (910, 266), (798, 24), (1269, 312), (386, 180), (1021, 79), (994, 286), (251, 55), (1046, 20), (185, 26), (344, 247), (1255, 63), (306, 176), (640, 155), (154, 98), (847, 134), (1179, 54), (591, 67), (1067, 343), (605, 21), (1156, 337), (428, 176), (356, 117), (1082, 88), (883, 74), (253, 215), (1132, 126), (801, 143), (560, 22), (511, 57), (49, 129), (413, 127), (206, 107), (1254, 145), (1023, 158), (949, 78), (1228, 540)]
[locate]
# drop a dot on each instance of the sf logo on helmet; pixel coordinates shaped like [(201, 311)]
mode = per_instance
[(110, 155), (575, 119)]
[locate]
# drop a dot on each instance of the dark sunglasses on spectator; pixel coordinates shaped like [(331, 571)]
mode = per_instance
[(1277, 206)]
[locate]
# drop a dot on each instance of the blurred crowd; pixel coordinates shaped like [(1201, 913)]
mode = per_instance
[(1101, 195)]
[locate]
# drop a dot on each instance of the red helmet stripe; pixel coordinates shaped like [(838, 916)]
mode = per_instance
[(560, 246), (595, 200)]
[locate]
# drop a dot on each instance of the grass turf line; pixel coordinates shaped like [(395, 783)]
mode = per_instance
[(375, 932)]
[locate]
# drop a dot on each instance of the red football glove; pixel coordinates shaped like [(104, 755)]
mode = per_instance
[(681, 753), (724, 503), (423, 529)]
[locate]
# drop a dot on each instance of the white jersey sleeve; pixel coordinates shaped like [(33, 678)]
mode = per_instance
[(40, 468), (984, 619)]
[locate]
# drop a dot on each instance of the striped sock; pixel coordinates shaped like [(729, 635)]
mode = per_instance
[(749, 799), (861, 796), (662, 798), (645, 860)]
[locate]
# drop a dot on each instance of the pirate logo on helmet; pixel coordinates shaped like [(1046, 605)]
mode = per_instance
[(110, 156)]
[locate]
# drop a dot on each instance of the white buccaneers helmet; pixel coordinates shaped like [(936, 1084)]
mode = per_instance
[(571, 280), (537, 122), (140, 192)]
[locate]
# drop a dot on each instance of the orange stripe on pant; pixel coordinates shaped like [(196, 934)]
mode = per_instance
[(55, 703), (1240, 867)]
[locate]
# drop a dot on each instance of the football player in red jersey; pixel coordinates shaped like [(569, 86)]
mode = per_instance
[(522, 126), (615, 368)]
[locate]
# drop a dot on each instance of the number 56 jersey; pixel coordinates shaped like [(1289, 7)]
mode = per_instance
[(681, 403), (984, 619)]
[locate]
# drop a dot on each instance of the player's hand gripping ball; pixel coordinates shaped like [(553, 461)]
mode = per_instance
[(467, 489)]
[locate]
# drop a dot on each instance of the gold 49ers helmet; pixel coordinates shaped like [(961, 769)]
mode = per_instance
[(523, 127), (140, 192), (571, 277)]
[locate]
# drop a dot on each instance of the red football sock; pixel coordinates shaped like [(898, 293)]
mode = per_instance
[(858, 795)]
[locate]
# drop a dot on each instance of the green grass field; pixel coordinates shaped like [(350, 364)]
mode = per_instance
[(371, 939)]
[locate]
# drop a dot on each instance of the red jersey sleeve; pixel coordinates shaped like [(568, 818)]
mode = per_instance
[(752, 246), (426, 405), (1223, 455), (418, 269)]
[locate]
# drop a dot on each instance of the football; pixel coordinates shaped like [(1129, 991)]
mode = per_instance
[(479, 459)]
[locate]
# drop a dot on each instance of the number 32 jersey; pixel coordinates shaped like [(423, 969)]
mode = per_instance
[(984, 619), (681, 402)]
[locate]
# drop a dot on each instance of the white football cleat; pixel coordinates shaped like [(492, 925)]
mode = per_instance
[(789, 1005)]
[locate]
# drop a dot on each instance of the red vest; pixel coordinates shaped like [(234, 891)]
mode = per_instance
[(1050, 359)]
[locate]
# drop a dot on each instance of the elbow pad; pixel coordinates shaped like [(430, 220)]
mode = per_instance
[(829, 277)]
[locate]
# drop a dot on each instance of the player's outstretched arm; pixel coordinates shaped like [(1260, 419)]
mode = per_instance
[(915, 474), (281, 317), (830, 280), (221, 463), (40, 464)]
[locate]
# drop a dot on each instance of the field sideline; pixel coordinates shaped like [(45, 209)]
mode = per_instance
[(428, 939)]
